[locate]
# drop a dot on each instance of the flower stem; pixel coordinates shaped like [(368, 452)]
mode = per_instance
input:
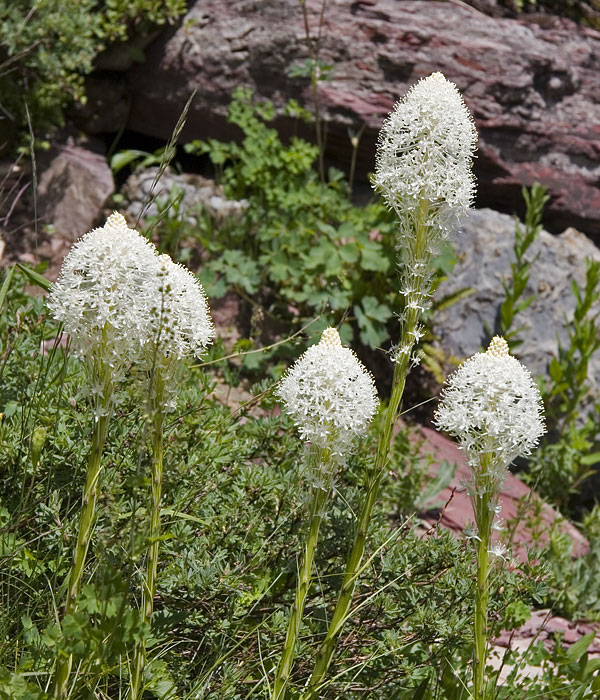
[(149, 587), (320, 491), (413, 300), (64, 661), (484, 500)]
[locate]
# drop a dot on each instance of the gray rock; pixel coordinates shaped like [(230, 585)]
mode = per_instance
[(484, 247), (197, 194)]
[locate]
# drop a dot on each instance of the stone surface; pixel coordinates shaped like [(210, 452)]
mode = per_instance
[(197, 194), (516, 500), (532, 83), (484, 247), (72, 193)]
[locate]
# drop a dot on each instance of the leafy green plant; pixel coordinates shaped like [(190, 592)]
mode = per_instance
[(48, 48), (299, 240), (514, 287), (571, 449)]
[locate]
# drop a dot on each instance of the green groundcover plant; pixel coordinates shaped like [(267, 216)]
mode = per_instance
[(212, 553)]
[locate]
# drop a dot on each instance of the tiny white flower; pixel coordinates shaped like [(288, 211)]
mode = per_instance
[(329, 394), (424, 153), (492, 406), (498, 550)]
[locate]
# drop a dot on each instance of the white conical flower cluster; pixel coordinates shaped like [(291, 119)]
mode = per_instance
[(119, 299), (424, 153), (181, 326), (104, 292), (329, 394), (492, 406)]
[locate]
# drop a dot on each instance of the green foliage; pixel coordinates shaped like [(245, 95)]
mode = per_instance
[(571, 447), (300, 248), (234, 511), (514, 288), (48, 47)]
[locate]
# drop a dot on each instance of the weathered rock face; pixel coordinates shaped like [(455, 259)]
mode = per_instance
[(484, 247), (533, 85)]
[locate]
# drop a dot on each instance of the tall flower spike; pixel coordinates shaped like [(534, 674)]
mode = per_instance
[(424, 153), (329, 394), (104, 293), (492, 406)]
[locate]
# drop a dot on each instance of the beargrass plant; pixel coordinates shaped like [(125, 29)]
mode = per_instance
[(493, 407), (179, 326), (332, 399), (101, 298), (125, 306), (423, 171)]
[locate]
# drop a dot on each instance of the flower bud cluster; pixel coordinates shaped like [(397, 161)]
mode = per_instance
[(120, 301), (329, 394), (493, 407)]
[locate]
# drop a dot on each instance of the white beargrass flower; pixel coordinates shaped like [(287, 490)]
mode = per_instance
[(329, 394), (104, 294), (424, 153), (180, 324), (493, 407)]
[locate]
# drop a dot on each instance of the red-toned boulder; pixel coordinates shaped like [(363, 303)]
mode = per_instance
[(533, 84), (517, 501)]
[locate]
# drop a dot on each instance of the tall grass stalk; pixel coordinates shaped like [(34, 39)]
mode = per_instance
[(149, 585)]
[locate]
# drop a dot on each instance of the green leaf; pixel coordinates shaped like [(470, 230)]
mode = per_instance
[(373, 258), (35, 277), (6, 285), (123, 158), (577, 650)]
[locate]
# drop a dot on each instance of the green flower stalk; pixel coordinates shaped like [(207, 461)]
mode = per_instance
[(100, 297), (331, 398), (423, 171), (179, 326), (493, 407)]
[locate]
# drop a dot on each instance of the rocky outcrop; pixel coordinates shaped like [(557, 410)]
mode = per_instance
[(484, 251), (533, 85), (73, 190), (193, 194)]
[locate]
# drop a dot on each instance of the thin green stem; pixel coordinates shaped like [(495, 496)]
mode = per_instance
[(373, 481), (484, 501), (318, 501), (149, 587), (64, 661)]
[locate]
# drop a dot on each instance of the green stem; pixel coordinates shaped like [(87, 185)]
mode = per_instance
[(484, 501), (420, 247), (149, 587), (319, 498), (64, 662)]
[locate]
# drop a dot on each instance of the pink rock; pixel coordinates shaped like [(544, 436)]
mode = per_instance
[(458, 512)]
